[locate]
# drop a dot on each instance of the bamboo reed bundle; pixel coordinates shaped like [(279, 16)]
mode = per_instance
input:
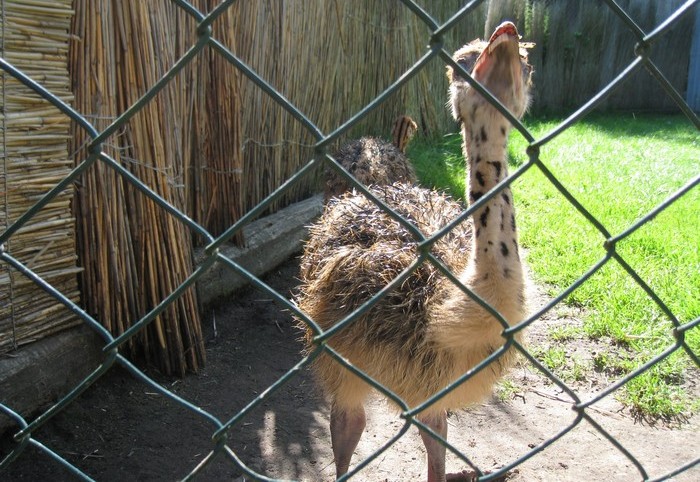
[(135, 254), (217, 161), (34, 147)]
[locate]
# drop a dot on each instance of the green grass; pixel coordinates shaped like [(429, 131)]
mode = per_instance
[(506, 390), (619, 167), (564, 333), (440, 163), (558, 360)]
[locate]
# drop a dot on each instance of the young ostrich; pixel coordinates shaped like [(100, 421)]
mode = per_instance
[(426, 332), (373, 161), (402, 133)]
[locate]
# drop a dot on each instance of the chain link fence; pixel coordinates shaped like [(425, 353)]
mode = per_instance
[(435, 52)]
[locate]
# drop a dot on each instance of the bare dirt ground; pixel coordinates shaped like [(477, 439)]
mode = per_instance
[(120, 429)]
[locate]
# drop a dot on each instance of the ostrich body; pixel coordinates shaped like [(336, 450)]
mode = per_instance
[(373, 161), (425, 333)]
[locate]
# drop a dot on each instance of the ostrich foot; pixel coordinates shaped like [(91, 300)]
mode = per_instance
[(463, 476), (473, 476), (347, 426)]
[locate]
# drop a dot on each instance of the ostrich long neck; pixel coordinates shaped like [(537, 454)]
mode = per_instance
[(495, 246), (493, 270)]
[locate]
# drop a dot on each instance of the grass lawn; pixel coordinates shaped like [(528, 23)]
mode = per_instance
[(619, 167)]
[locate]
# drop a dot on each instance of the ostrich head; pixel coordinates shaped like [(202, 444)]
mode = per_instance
[(501, 66)]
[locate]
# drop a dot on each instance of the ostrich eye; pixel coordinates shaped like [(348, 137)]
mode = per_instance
[(467, 64)]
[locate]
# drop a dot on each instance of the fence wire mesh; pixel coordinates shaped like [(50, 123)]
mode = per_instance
[(221, 428)]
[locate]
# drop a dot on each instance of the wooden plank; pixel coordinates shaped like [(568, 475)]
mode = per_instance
[(269, 242)]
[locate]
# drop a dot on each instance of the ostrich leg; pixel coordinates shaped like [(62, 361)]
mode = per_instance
[(435, 450), (347, 426)]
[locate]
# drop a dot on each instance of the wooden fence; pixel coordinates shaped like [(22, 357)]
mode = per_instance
[(582, 45)]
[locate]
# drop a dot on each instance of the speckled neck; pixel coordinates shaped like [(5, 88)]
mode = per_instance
[(495, 248)]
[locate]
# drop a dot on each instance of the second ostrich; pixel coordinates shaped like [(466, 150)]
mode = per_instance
[(374, 161), (426, 333)]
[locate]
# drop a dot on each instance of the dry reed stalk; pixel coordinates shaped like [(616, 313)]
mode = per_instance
[(134, 252), (216, 166), (94, 89), (34, 158)]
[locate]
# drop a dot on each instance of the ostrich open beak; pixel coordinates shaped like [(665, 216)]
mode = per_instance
[(498, 66)]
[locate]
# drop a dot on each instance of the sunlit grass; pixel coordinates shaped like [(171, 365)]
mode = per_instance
[(619, 168)]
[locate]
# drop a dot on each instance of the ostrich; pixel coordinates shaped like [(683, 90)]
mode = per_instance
[(374, 161), (403, 131), (426, 332)]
